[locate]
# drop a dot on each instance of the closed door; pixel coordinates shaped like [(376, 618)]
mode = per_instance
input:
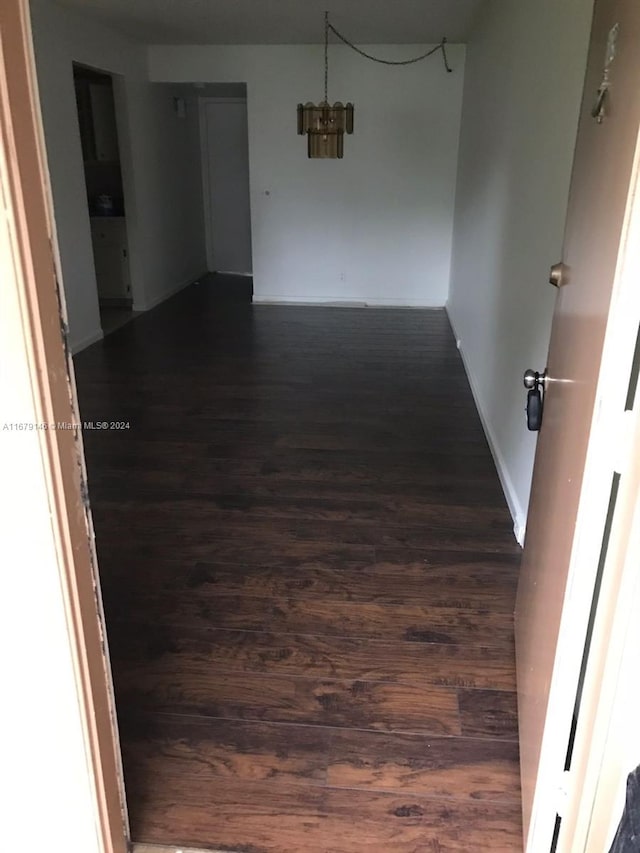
[(546, 624), (225, 162)]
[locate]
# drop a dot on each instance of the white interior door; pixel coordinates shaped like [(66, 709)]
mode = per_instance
[(225, 168)]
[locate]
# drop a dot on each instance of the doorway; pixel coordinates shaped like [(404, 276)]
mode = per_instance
[(404, 810), (224, 138), (105, 195)]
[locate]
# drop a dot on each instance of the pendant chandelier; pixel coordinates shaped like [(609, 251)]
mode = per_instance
[(326, 124)]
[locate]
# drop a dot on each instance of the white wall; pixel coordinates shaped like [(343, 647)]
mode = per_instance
[(54, 39), (163, 201), (48, 797), (168, 185), (524, 74), (375, 227)]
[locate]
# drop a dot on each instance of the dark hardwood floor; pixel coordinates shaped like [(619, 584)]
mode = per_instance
[(309, 574)]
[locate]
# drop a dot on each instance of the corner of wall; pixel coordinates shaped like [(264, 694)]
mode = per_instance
[(456, 180), (86, 341), (147, 305), (518, 513)]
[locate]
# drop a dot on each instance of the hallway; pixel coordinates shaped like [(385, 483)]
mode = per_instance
[(309, 574)]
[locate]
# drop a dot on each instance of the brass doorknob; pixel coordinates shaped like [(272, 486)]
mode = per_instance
[(558, 274)]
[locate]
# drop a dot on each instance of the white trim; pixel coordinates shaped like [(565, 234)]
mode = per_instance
[(518, 514), (234, 272), (87, 340), (147, 306), (341, 302), (64, 786), (206, 181), (132, 226)]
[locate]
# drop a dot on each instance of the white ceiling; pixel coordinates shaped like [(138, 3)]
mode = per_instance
[(283, 21)]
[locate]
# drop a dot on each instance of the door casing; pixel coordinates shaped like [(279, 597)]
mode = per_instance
[(37, 281)]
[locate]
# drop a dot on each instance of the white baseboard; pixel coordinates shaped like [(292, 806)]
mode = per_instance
[(147, 305), (86, 341), (341, 302), (517, 513)]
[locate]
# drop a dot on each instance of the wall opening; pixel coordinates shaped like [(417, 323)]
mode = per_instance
[(224, 136), (105, 194)]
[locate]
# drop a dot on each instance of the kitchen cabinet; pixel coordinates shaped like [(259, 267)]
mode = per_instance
[(111, 259)]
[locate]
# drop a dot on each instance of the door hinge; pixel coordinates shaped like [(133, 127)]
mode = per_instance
[(563, 793), (622, 439)]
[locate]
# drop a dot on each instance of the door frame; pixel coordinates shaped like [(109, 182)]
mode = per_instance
[(203, 100), (34, 280), (125, 149)]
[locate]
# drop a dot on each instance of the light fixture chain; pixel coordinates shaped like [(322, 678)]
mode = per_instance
[(326, 57), (441, 46)]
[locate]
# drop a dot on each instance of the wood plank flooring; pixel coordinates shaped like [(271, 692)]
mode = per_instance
[(309, 575)]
